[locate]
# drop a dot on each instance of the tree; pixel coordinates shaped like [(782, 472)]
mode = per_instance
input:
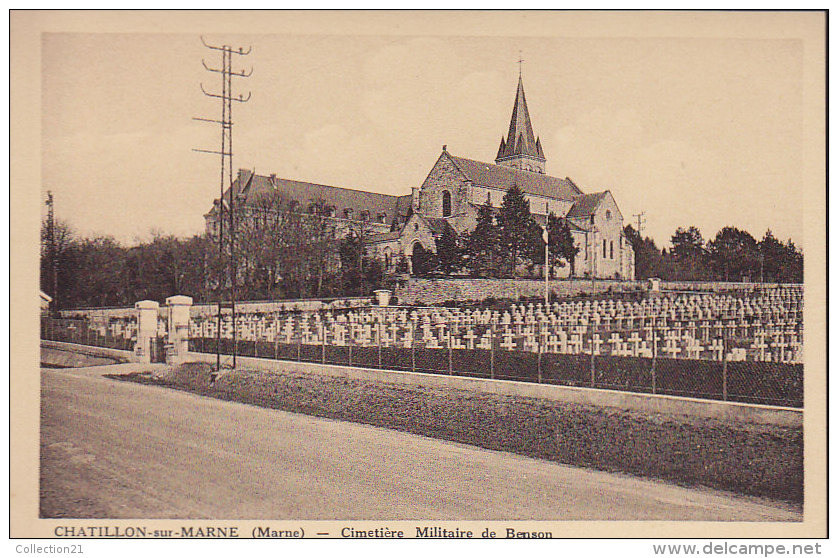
[(779, 262), (561, 241), (449, 252), (424, 261), (689, 255), (649, 261), (481, 245), (733, 254), (518, 233)]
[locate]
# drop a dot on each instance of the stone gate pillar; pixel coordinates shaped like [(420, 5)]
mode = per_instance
[(146, 328), (178, 315)]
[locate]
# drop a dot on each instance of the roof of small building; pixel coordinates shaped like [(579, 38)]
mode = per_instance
[(586, 204), (501, 177), (437, 225)]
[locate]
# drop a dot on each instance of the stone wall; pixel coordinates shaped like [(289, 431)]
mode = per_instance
[(435, 291)]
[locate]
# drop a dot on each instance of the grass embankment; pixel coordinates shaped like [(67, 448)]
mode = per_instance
[(749, 459)]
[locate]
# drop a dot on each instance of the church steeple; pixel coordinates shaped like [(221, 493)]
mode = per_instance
[(522, 149)]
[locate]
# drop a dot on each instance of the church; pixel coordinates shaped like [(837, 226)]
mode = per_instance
[(450, 196)]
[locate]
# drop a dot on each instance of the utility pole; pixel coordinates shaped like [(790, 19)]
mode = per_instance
[(546, 256), (53, 252), (226, 153), (640, 222)]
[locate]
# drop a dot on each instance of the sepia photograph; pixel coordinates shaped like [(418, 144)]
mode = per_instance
[(450, 275)]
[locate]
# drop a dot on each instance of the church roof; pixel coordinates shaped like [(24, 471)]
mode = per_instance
[(437, 225), (520, 140), (250, 186), (502, 178), (586, 204)]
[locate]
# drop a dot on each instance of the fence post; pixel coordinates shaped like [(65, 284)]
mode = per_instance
[(412, 346), (654, 356), (724, 367), (492, 350), (349, 340), (378, 330), (276, 337), (323, 338), (299, 340), (450, 363), (540, 338), (593, 363)]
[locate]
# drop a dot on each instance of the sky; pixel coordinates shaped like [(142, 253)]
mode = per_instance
[(691, 131)]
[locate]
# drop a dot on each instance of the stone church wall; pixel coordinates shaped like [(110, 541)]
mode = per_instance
[(444, 176)]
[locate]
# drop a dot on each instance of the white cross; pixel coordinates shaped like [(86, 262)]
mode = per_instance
[(615, 341), (694, 349), (635, 342), (760, 346), (717, 348), (507, 343), (671, 346), (575, 344), (596, 343), (470, 337)]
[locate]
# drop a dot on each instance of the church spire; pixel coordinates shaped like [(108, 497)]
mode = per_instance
[(522, 149)]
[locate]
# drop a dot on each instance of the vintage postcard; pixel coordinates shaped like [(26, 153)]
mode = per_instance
[(450, 275)]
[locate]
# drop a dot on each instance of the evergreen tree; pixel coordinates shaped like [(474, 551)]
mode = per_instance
[(424, 261), (481, 246), (688, 254), (449, 252), (733, 254), (561, 241), (779, 262), (519, 235)]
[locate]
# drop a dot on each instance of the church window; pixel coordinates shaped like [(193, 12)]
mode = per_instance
[(347, 213), (365, 215), (382, 217), (608, 214), (446, 203), (592, 218), (611, 249), (604, 248), (415, 226)]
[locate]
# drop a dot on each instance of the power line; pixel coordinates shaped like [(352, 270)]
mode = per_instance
[(226, 153), (640, 222)]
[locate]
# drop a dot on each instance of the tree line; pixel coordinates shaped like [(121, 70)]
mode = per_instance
[(287, 250), (282, 251), (732, 255)]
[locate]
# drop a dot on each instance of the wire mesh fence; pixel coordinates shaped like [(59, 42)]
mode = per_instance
[(716, 363), (113, 334)]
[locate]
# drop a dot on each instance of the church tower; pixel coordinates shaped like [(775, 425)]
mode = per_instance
[(521, 149)]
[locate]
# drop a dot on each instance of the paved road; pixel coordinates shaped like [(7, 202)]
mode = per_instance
[(113, 449)]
